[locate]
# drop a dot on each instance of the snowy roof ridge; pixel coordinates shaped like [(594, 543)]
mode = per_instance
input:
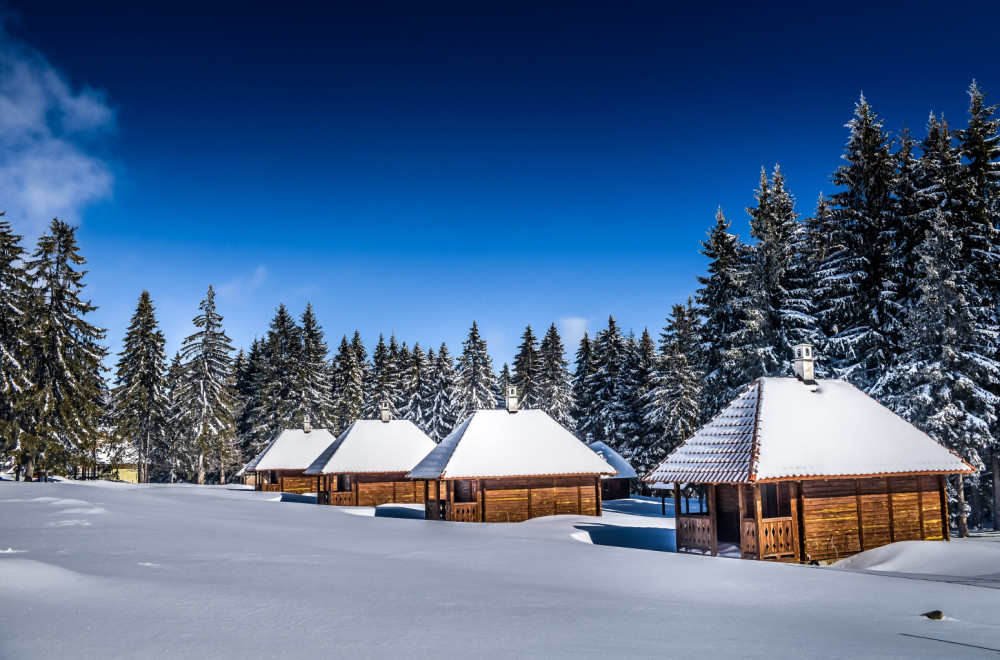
[(371, 445), (292, 449), (799, 432), (496, 443), (614, 459)]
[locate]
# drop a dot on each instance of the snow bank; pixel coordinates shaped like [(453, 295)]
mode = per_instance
[(957, 558)]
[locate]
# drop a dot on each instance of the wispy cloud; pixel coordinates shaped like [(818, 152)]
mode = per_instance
[(49, 132), (242, 286), (572, 328)]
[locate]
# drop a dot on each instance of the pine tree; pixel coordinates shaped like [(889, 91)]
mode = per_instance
[(673, 405), (316, 376), (251, 426), (476, 383), (382, 385), (555, 385), (583, 411), (282, 398), (717, 302), (15, 299), (204, 395), (141, 382), (173, 457), (775, 306), (526, 367), (348, 385), (606, 383), (401, 366), (859, 284), (443, 415), (66, 354), (629, 395), (939, 383), (506, 379), (417, 385), (645, 370)]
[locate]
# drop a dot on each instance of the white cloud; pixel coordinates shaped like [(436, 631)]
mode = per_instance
[(47, 132), (571, 328), (242, 286)]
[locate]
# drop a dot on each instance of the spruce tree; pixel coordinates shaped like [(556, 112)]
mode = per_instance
[(174, 457), (382, 385), (316, 377), (251, 426), (282, 397), (526, 367), (15, 299), (506, 378), (555, 384), (204, 396), (348, 386), (475, 383), (416, 387), (66, 354), (859, 284), (443, 415), (141, 385), (673, 405), (940, 382), (605, 386), (583, 411), (717, 302)]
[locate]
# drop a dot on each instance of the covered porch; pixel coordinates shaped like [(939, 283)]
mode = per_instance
[(751, 521)]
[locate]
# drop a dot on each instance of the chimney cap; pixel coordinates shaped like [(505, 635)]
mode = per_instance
[(386, 411), (512, 396)]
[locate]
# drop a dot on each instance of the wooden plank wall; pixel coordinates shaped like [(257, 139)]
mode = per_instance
[(842, 517), (516, 499), (298, 484), (727, 500), (388, 488)]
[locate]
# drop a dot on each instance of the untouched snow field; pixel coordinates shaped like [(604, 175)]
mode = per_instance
[(125, 571)]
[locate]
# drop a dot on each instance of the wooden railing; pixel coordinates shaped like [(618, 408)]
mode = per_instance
[(777, 539), (748, 539), (463, 511), (271, 488), (694, 533), (340, 498)]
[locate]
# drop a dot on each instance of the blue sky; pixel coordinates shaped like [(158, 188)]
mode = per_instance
[(413, 166)]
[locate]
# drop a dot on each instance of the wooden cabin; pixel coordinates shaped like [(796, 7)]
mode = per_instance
[(281, 467), (805, 470), (367, 464), (618, 486), (509, 466)]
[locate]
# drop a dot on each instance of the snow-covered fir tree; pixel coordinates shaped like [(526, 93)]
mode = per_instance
[(644, 367), (979, 145), (204, 395), (526, 366), (249, 385), (629, 395), (717, 301), (63, 410), (348, 386), (940, 382), (858, 286), (606, 385), (401, 366), (583, 406), (555, 384), (774, 308), (15, 299), (673, 405), (383, 379), (417, 379), (140, 398), (317, 398), (282, 396), (476, 386), (505, 378), (444, 413)]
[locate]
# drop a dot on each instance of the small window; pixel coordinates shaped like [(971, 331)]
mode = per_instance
[(775, 501), (798, 352), (808, 352)]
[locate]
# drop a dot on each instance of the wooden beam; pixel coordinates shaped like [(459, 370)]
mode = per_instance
[(712, 520), (677, 501), (482, 495), (945, 523), (740, 516), (597, 494), (758, 513), (800, 521), (861, 525), (892, 520), (920, 508)]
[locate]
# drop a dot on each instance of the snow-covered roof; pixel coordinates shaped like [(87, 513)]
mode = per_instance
[(614, 459), (496, 443), (780, 428), (371, 445), (293, 449)]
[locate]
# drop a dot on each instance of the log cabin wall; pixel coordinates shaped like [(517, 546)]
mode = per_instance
[(373, 489), (615, 489), (841, 517), (515, 499), (296, 482)]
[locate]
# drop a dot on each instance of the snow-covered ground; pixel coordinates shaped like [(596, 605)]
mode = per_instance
[(126, 571)]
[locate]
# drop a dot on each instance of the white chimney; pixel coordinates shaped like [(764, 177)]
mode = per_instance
[(803, 363), (306, 426), (386, 412), (512, 399)]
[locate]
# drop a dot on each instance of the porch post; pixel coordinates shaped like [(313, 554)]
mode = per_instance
[(793, 495), (741, 516), (758, 516), (677, 501), (713, 526)]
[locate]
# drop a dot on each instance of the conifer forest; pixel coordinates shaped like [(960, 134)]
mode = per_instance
[(893, 277)]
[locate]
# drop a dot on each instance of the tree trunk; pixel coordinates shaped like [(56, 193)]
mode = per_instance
[(201, 467), (975, 507), (29, 469), (963, 527), (996, 489)]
